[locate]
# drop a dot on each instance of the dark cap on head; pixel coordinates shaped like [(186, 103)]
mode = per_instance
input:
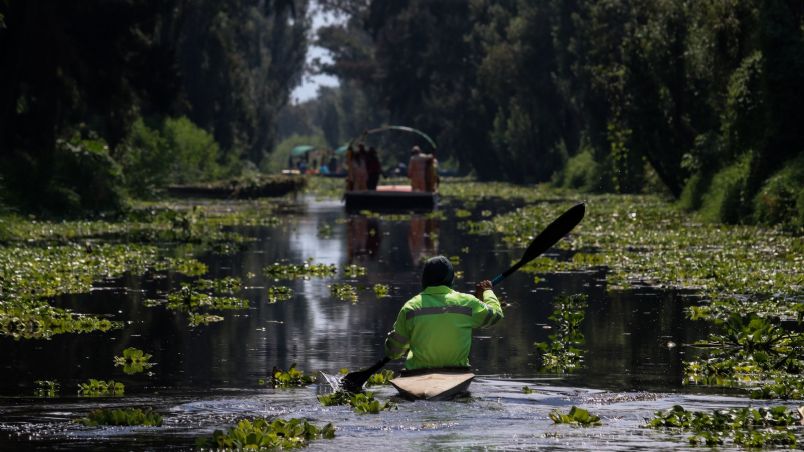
[(438, 271)]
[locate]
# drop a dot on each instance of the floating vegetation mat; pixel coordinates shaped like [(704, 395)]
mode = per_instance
[(122, 416), (133, 361), (292, 377), (363, 403), (101, 388), (279, 293), (747, 427), (203, 295), (262, 434), (307, 270), (576, 416), (644, 240)]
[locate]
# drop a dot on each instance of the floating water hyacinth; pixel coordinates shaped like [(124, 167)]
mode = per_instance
[(361, 403), (381, 290), (344, 292), (279, 293), (576, 416), (290, 378), (101, 388), (46, 388), (353, 271), (122, 416), (306, 270), (262, 434), (747, 427), (133, 361)]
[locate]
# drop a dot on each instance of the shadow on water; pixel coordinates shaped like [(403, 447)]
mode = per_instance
[(207, 377)]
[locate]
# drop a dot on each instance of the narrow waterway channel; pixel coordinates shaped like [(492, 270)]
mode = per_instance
[(629, 363)]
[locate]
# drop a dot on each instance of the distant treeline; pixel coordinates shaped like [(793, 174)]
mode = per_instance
[(100, 99), (700, 99)]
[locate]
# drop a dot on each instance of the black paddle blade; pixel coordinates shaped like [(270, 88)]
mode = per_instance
[(551, 234), (354, 381)]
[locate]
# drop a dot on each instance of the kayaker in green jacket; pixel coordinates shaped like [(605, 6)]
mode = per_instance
[(434, 329)]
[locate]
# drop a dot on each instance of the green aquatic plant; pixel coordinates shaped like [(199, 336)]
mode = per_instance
[(344, 292), (748, 427), (46, 388), (185, 266), (381, 290), (39, 320), (262, 434), (576, 416), (223, 286), (204, 295), (203, 319), (353, 271), (364, 403), (279, 293), (133, 361), (645, 240), (290, 378), (752, 352), (382, 377), (563, 351), (782, 386), (100, 388), (122, 416), (526, 390), (307, 270)]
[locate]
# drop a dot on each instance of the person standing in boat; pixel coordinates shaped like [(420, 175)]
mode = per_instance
[(417, 169), (434, 329), (348, 164), (373, 168), (431, 174), (359, 173)]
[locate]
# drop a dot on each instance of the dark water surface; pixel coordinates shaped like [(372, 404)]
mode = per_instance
[(207, 377)]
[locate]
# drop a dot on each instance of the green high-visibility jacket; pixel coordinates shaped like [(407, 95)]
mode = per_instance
[(434, 328)]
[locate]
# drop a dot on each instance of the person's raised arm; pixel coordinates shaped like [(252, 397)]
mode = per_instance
[(487, 312)]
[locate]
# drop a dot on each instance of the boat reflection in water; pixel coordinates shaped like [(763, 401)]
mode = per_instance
[(422, 238), (363, 237)]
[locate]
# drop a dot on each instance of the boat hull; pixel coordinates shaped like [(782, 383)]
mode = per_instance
[(390, 200), (433, 386)]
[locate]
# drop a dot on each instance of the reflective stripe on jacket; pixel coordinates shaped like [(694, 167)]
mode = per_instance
[(434, 328)]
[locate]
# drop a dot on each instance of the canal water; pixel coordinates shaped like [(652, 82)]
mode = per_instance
[(206, 378)]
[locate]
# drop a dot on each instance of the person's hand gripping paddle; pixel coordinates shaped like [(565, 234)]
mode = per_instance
[(354, 381)]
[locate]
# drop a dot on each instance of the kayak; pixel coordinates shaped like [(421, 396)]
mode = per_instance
[(433, 386)]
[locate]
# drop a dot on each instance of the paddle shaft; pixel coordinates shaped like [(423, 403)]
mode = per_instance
[(552, 233), (560, 227)]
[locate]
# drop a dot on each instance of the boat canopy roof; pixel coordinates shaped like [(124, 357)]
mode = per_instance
[(301, 150)]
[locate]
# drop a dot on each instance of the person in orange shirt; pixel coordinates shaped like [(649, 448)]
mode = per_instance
[(417, 169)]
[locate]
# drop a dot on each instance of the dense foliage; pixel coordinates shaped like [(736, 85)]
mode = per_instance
[(100, 96), (698, 99)]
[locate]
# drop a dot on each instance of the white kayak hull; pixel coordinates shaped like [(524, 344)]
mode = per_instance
[(433, 386)]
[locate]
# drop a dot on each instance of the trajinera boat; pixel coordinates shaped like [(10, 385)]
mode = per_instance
[(393, 197)]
